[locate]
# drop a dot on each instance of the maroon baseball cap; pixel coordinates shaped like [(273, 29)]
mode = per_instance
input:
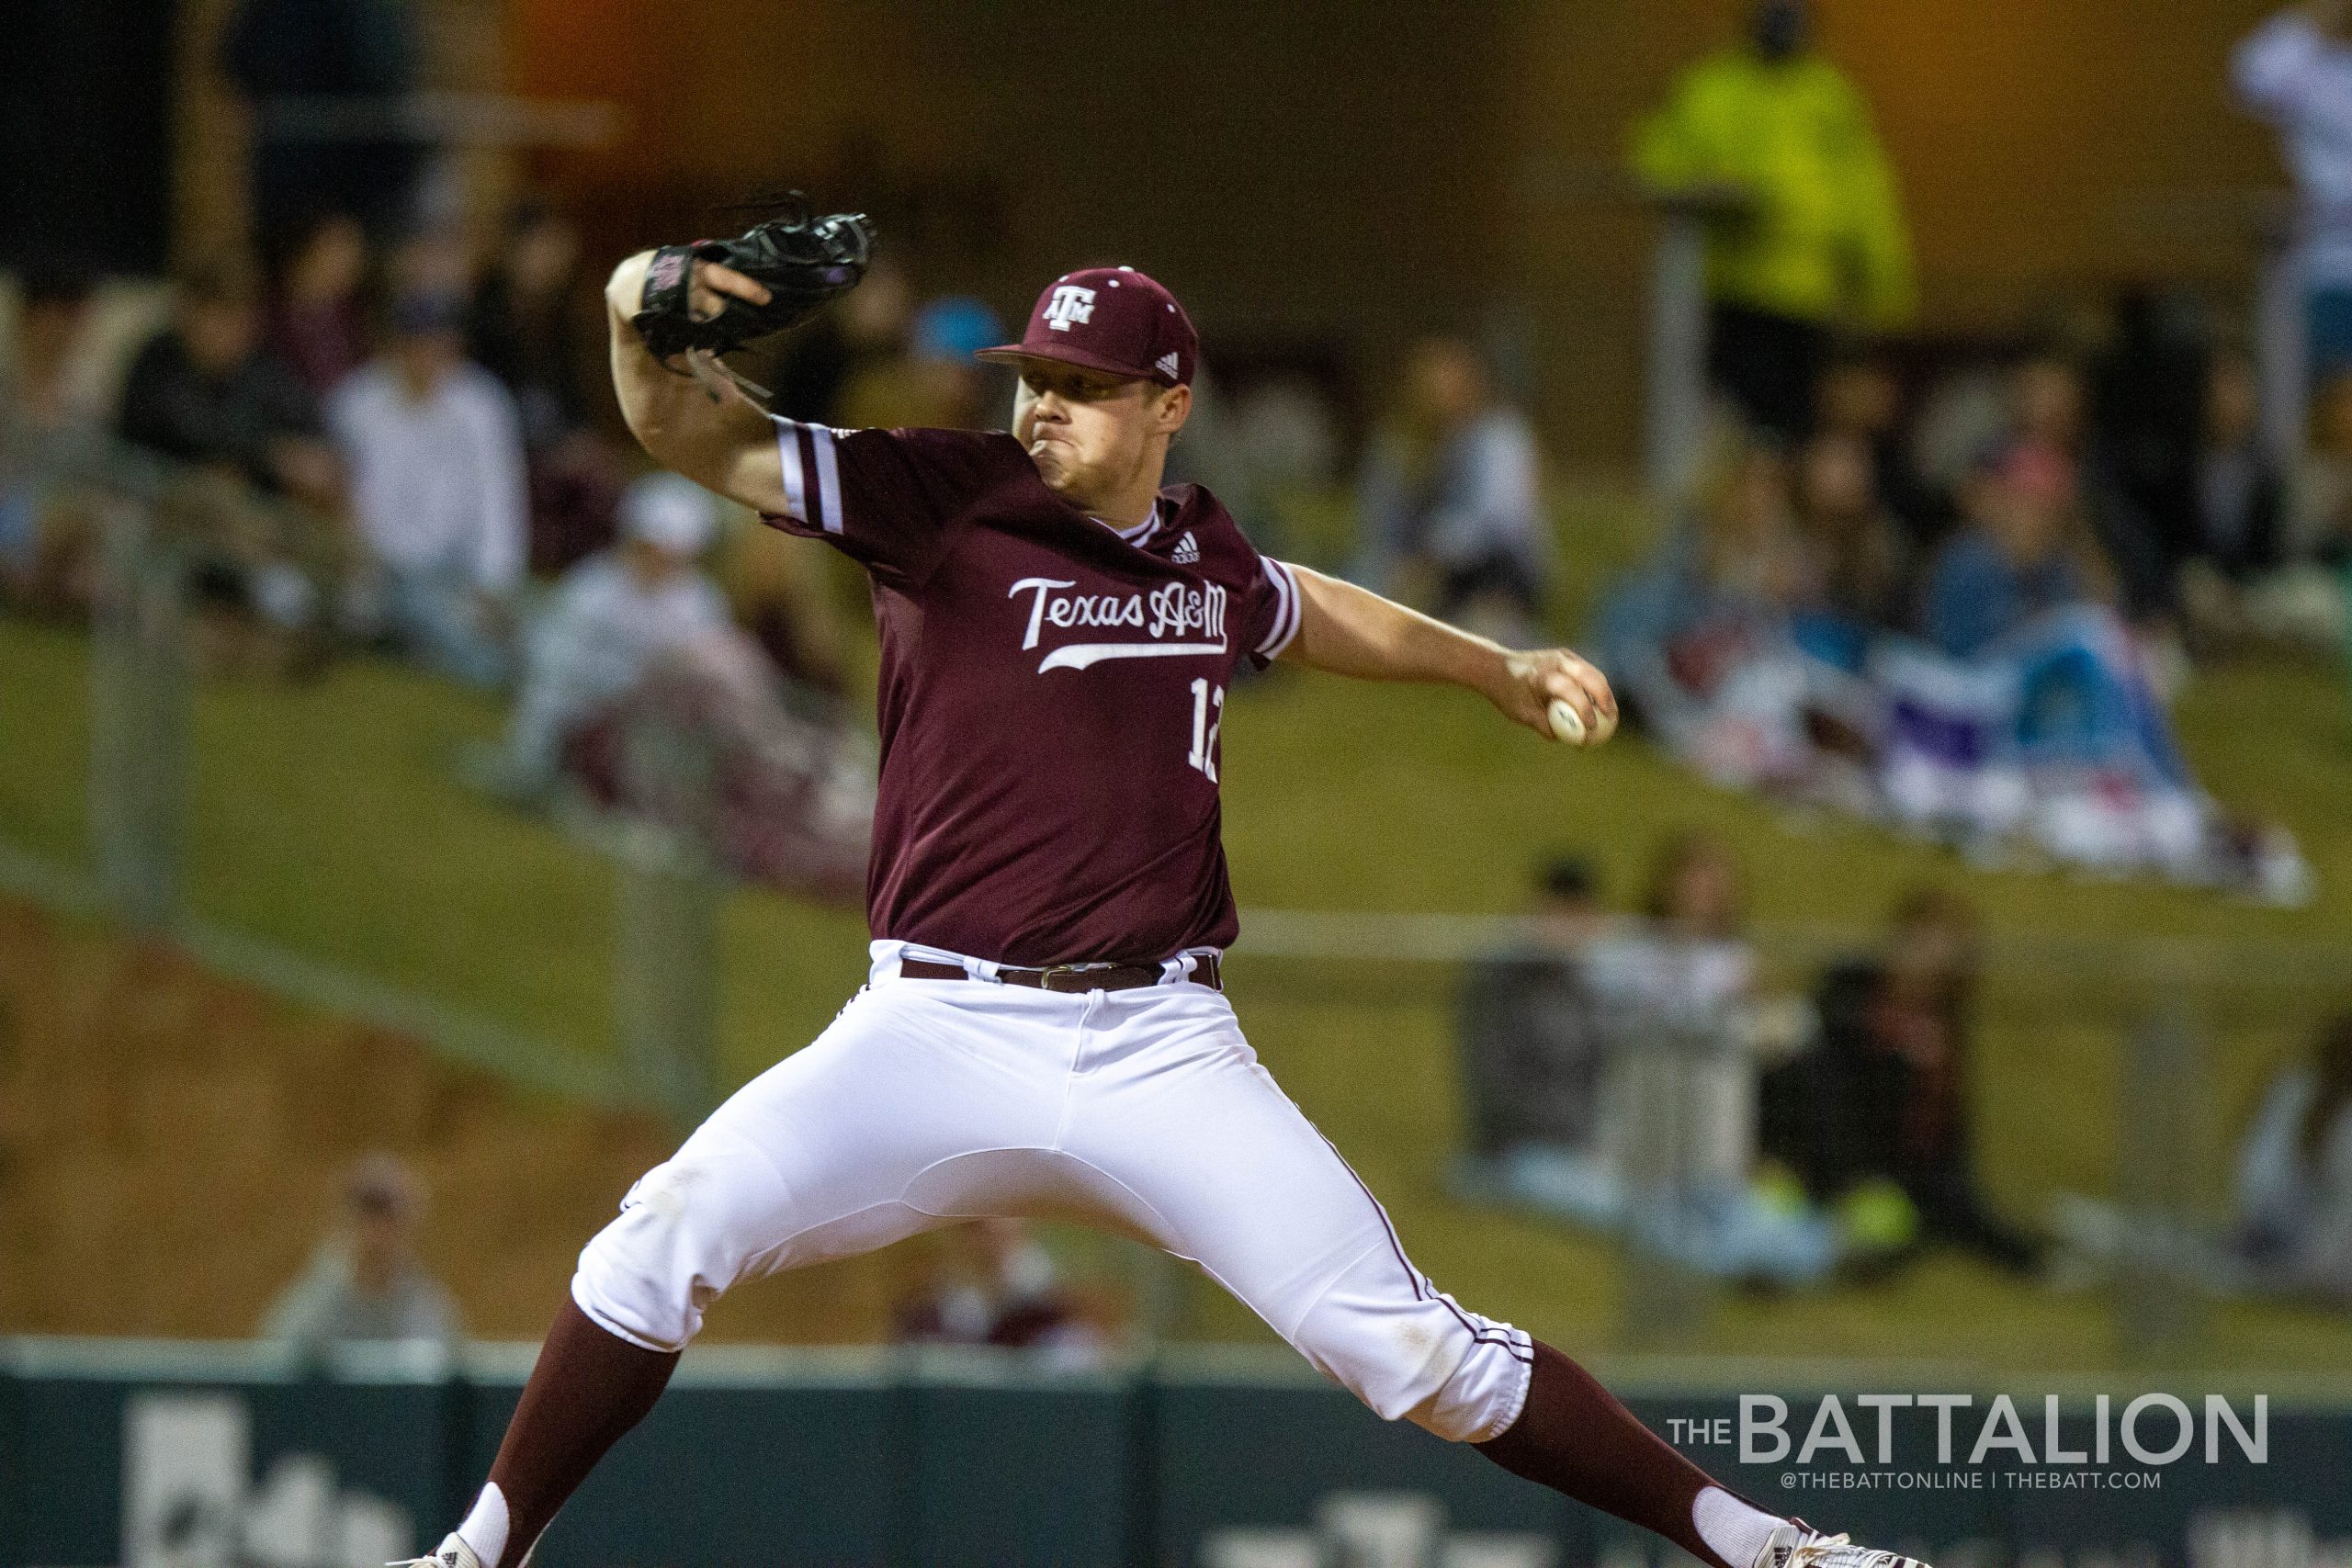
[(1112, 319)]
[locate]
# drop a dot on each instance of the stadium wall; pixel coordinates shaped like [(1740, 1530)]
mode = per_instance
[(149, 1453)]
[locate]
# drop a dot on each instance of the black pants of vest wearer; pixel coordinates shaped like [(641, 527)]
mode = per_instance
[(1768, 365)]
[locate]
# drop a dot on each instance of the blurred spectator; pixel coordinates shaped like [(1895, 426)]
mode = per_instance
[(935, 384), (1817, 240), (1964, 413), (945, 334), (2040, 724), (2238, 503), (2306, 599), (351, 63), (1764, 643), (2149, 399), (2021, 549), (437, 486), (1455, 485), (318, 324), (996, 1285), (1691, 1027), (1859, 563), (2239, 495), (43, 389), (1702, 641), (1861, 401), (365, 1282), (639, 688), (205, 391), (431, 259), (2049, 425), (1874, 1118), (790, 599), (1530, 1035), (1687, 964), (777, 783), (524, 326), (2295, 70), (525, 329), (823, 356), (47, 421), (609, 619), (2294, 1184)]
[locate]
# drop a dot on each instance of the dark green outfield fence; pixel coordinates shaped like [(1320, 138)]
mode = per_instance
[(216, 1456)]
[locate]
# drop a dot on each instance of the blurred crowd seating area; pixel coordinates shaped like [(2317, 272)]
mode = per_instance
[(1646, 1071), (1963, 600), (1952, 585), (1959, 592), (397, 447)]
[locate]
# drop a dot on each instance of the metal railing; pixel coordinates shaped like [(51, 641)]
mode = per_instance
[(139, 717)]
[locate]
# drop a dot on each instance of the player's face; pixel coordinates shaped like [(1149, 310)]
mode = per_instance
[(1089, 433)]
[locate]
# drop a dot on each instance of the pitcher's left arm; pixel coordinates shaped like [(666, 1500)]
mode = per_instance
[(1349, 630)]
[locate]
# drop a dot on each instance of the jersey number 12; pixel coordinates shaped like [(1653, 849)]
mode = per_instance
[(1208, 712)]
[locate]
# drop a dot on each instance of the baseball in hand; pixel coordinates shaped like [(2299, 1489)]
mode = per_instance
[(1565, 725)]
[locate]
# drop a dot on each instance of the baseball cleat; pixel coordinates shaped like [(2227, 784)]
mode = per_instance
[(454, 1553), (1798, 1545)]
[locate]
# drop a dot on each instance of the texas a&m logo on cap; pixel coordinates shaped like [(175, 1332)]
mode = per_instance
[(1070, 302), (1112, 319)]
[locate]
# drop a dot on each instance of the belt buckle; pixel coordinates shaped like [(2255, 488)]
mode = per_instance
[(1046, 975)]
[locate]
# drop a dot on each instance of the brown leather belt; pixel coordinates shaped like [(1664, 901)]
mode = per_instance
[(1069, 977)]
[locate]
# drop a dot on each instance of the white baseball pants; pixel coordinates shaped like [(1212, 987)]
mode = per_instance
[(1145, 1111)]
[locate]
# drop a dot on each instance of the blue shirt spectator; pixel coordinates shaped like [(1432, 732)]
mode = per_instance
[(1979, 594), (2014, 560)]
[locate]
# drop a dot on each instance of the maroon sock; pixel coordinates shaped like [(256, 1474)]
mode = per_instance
[(1576, 1437), (589, 1387)]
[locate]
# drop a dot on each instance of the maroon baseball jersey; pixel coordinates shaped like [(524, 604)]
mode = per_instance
[(1051, 693)]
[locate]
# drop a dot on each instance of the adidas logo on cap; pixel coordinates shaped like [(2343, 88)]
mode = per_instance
[(1167, 364)]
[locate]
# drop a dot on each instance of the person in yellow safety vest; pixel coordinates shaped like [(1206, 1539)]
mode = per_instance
[(1810, 238)]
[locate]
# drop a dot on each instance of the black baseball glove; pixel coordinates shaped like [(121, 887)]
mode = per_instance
[(802, 260)]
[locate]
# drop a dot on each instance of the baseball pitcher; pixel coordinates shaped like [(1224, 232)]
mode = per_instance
[(1043, 1028)]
